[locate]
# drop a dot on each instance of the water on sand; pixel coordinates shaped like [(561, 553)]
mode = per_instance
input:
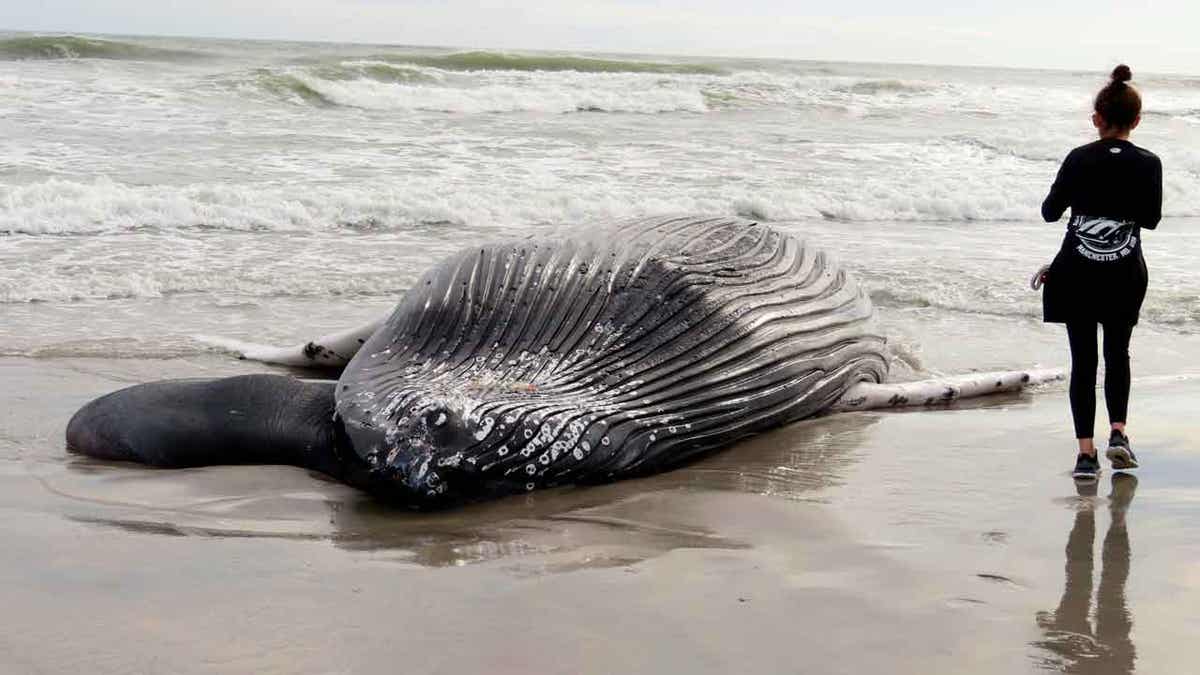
[(939, 541)]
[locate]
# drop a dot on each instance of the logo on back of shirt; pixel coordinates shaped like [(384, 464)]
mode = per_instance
[(1104, 239)]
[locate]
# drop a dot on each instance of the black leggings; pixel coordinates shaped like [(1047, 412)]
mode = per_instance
[(1082, 335)]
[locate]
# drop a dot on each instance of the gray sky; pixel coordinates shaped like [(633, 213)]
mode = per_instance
[(1157, 35)]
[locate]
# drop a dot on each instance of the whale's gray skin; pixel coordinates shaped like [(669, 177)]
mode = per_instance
[(590, 356), (603, 354)]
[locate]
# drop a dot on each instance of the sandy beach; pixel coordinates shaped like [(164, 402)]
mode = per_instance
[(940, 541)]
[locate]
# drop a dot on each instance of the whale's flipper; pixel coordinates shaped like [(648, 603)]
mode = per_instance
[(328, 351), (248, 419), (868, 395)]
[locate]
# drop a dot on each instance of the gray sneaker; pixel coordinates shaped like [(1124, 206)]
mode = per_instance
[(1119, 452), (1087, 467)]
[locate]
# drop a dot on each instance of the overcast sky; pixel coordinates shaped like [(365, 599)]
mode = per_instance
[(1158, 35)]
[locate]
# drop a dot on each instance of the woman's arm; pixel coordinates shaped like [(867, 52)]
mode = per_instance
[(1060, 193), (1153, 199)]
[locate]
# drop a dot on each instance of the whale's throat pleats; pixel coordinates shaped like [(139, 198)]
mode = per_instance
[(602, 353)]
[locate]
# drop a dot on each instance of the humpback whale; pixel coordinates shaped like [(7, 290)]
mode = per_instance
[(586, 356)]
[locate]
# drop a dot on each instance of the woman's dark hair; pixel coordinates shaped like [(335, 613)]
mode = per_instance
[(1119, 103)]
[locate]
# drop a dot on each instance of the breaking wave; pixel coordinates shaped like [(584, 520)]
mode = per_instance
[(371, 94), (379, 86), (873, 87), (290, 87), (379, 71), (547, 84), (483, 60), (75, 47), (61, 207)]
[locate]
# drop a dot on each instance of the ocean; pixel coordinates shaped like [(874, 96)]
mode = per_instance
[(159, 194)]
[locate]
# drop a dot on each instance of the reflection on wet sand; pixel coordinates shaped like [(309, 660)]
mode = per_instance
[(595, 526), (1069, 634)]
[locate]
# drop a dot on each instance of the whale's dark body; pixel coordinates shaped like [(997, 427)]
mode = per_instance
[(590, 356)]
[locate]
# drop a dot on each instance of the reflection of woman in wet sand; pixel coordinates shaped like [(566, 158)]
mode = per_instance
[(1068, 630)]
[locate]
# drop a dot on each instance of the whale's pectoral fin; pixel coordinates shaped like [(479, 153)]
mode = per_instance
[(328, 351), (250, 419), (869, 395)]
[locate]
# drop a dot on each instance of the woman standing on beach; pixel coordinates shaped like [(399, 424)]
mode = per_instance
[(1114, 190)]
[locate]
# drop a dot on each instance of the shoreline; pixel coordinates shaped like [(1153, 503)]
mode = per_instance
[(878, 540)]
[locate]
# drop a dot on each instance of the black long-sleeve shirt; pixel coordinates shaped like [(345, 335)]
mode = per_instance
[(1108, 179), (1114, 190)]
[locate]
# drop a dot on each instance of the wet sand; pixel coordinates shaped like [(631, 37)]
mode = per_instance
[(942, 541)]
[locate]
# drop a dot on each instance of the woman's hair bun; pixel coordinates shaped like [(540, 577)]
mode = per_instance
[(1118, 102)]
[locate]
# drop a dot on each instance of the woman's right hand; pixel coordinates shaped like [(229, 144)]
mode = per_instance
[(1039, 277)]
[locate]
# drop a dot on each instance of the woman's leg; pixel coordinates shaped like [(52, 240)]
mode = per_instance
[(1116, 373), (1082, 336)]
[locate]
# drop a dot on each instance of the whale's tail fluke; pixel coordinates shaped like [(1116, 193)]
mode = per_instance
[(869, 395)]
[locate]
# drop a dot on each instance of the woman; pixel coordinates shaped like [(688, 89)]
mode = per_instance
[(1114, 190)]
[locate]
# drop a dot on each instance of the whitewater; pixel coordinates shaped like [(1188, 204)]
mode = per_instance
[(156, 192)]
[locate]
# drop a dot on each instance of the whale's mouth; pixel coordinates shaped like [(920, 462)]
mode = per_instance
[(420, 470), (409, 448), (417, 470)]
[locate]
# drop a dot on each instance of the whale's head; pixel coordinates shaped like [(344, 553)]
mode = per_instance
[(428, 445), (412, 446)]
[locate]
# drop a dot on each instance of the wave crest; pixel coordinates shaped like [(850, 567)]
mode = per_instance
[(74, 47), (378, 71), (372, 87), (484, 60), (290, 87), (874, 87), (60, 207)]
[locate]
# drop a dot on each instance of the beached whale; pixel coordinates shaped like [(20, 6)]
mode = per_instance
[(592, 355)]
